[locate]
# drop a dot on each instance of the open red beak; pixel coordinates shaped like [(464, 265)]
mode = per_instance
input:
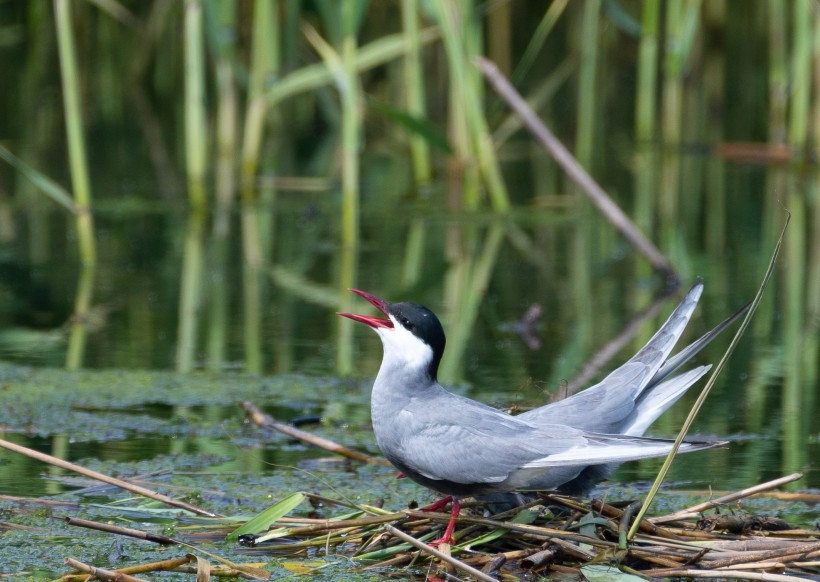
[(374, 322)]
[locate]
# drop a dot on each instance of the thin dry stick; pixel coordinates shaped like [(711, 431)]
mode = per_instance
[(163, 565), (691, 573), (102, 573), (105, 478), (693, 412), (574, 170), (695, 510), (259, 418), (122, 531), (804, 551), (438, 554), (39, 501)]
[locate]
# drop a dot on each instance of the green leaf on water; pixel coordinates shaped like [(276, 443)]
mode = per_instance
[(262, 521)]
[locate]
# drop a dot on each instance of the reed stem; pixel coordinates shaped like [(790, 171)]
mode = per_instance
[(74, 130), (195, 116)]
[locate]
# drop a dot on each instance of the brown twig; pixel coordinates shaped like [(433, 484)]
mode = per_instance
[(438, 554), (261, 419), (161, 566), (694, 511), (693, 573), (102, 573), (122, 531), (105, 478), (575, 171)]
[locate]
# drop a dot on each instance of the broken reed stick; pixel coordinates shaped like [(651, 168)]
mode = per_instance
[(695, 511), (122, 531), (261, 419), (105, 478), (102, 573), (744, 575), (458, 564), (161, 566), (575, 171)]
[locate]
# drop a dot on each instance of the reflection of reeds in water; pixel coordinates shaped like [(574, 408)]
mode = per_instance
[(271, 94)]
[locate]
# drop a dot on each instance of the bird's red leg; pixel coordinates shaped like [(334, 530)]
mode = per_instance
[(440, 504), (447, 538)]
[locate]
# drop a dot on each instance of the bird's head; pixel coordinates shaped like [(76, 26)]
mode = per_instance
[(411, 334)]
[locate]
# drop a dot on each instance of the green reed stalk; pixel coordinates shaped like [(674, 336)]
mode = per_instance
[(264, 63), (585, 118), (447, 16), (74, 130), (195, 119), (369, 56), (79, 321), (716, 371), (646, 133), (776, 178), (536, 43), (681, 27), (190, 292), (811, 365), (225, 181), (351, 121), (343, 68), (801, 77), (794, 391), (414, 89), (470, 134), (476, 271)]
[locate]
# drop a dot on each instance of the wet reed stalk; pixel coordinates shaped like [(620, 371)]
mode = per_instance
[(794, 404), (190, 292), (709, 384), (645, 116), (74, 130), (79, 321), (681, 27), (587, 86), (225, 182), (264, 62), (479, 270), (583, 237), (464, 187), (414, 88), (351, 121), (195, 116)]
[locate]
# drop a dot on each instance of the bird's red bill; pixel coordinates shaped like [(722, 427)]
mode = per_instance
[(372, 321)]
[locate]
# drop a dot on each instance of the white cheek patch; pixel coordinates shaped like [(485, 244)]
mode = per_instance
[(402, 346)]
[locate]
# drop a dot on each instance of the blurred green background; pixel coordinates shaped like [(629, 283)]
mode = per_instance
[(194, 185)]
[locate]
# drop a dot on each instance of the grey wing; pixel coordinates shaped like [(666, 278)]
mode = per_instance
[(605, 406), (479, 445)]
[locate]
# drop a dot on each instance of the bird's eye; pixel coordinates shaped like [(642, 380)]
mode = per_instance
[(406, 323)]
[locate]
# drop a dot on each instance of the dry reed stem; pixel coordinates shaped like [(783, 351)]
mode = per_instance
[(105, 478), (121, 531), (261, 419), (575, 171), (695, 510), (102, 573), (438, 554)]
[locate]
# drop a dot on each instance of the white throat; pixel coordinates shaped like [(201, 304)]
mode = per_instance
[(403, 351)]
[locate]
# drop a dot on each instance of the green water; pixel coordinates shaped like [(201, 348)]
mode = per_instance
[(256, 318)]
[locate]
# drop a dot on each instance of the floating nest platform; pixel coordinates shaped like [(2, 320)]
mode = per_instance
[(559, 536)]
